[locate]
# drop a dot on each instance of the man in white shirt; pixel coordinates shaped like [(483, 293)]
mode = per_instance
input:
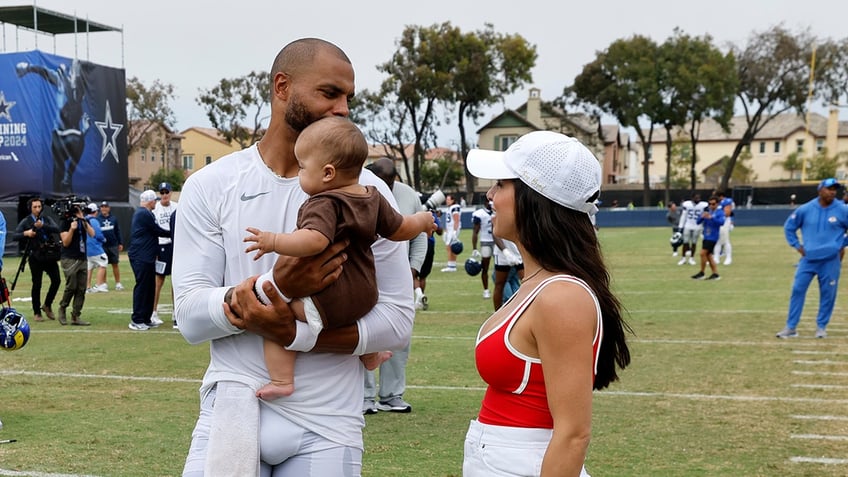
[(452, 227), (690, 210), (165, 207), (393, 371), (482, 230), (317, 431)]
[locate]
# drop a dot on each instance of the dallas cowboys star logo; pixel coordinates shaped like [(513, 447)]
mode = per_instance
[(108, 139), (5, 106)]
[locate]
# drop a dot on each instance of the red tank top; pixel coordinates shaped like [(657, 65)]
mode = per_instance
[(516, 395)]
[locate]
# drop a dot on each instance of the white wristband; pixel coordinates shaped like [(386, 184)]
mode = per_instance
[(304, 338), (268, 277)]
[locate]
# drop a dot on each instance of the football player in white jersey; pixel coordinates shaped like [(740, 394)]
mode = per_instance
[(482, 229), (452, 228), (690, 210)]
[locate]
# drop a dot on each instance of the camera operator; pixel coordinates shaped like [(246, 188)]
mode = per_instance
[(37, 238), (74, 262)]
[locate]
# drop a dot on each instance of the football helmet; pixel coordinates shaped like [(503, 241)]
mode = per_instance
[(14, 329)]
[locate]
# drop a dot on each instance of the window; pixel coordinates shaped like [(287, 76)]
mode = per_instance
[(188, 162), (799, 145), (776, 147), (143, 154), (819, 145), (208, 160), (762, 147), (505, 141)]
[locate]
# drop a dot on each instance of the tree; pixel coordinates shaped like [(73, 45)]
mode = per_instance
[(697, 82), (832, 71), (441, 173), (774, 72), (228, 105), (419, 77), (823, 165), (175, 177), (488, 66), (623, 81), (148, 108), (384, 121), (792, 164)]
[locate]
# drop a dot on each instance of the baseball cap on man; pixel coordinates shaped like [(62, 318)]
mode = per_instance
[(829, 182), (147, 196), (104, 204), (555, 165), (91, 208), (164, 186)]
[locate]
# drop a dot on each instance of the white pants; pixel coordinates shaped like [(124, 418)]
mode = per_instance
[(286, 448), (500, 451)]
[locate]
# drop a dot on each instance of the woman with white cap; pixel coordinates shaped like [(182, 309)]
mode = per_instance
[(564, 319)]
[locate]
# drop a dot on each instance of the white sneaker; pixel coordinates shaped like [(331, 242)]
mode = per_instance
[(154, 318), (728, 261), (682, 261), (449, 269), (691, 261), (102, 287), (118, 286), (93, 289), (138, 326), (486, 294), (674, 254)]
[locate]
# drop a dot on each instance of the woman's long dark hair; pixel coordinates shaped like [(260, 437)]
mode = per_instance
[(564, 240)]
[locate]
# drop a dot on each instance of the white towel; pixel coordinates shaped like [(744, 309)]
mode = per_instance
[(233, 448)]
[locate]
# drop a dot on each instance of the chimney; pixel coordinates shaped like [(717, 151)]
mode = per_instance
[(534, 107), (832, 131)]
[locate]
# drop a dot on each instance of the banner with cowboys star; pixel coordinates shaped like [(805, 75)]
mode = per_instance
[(62, 128)]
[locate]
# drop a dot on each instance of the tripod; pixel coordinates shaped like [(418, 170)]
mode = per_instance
[(21, 267)]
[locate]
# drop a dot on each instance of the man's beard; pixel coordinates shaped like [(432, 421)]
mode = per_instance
[(297, 116)]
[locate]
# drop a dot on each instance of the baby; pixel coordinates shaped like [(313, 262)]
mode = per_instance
[(330, 153)]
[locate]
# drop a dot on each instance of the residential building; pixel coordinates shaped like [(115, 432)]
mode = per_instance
[(152, 146), (782, 136), (201, 146)]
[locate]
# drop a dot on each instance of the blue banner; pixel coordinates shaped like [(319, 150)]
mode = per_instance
[(63, 128)]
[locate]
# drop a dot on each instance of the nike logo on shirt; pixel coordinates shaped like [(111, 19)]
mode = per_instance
[(245, 197)]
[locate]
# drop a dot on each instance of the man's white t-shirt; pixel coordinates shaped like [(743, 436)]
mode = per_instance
[(163, 218), (217, 204)]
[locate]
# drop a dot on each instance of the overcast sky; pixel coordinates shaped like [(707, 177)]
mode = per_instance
[(192, 44)]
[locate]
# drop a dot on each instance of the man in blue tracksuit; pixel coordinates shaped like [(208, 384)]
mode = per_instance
[(823, 223), (711, 219)]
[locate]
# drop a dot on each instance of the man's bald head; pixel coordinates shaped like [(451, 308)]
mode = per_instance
[(301, 53), (384, 168)]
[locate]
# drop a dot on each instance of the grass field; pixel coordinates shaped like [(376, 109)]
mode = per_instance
[(710, 392)]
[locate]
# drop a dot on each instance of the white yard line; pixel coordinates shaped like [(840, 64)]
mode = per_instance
[(819, 418), (818, 460), (820, 437), (30, 473)]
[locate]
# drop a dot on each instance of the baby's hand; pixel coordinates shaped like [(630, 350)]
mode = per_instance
[(263, 242), (427, 222)]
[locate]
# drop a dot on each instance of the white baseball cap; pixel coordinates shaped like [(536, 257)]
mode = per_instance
[(557, 166), (147, 196), (91, 208)]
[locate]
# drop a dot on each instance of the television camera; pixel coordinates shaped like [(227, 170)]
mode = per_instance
[(68, 207)]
